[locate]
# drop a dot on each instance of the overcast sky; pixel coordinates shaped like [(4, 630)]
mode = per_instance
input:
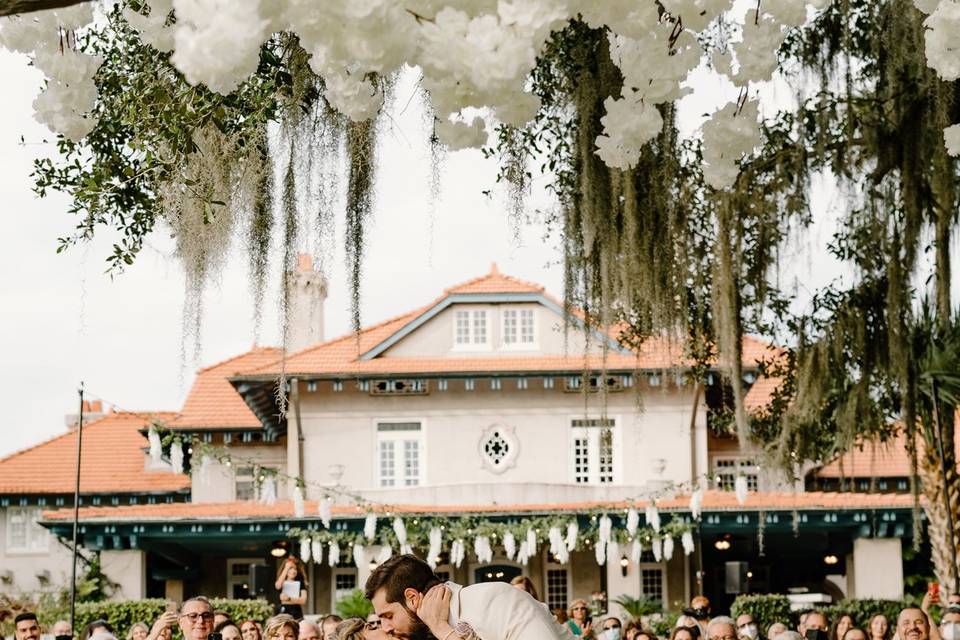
[(64, 320)]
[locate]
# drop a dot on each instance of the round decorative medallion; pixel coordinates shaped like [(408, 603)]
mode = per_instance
[(499, 447)]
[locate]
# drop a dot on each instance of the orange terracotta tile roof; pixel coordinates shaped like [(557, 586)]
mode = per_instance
[(760, 393), (213, 402), (112, 461), (341, 356), (713, 501)]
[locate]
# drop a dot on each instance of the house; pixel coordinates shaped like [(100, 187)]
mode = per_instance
[(114, 471), (475, 416)]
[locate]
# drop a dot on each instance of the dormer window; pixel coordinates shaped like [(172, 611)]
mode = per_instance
[(471, 329), (519, 328)]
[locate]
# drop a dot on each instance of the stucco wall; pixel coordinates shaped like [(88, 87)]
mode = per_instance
[(219, 485), (340, 429), (25, 567)]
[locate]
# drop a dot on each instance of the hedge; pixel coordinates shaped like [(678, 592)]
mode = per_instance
[(767, 609), (122, 615)]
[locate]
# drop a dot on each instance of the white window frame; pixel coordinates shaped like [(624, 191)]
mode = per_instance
[(518, 345), (593, 435), (398, 438), (231, 580), (36, 538), (743, 465), (335, 595), (471, 345), (662, 568), (555, 566)]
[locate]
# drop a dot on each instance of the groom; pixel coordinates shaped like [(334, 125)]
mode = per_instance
[(413, 604)]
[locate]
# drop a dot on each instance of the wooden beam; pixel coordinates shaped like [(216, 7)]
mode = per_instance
[(11, 7)]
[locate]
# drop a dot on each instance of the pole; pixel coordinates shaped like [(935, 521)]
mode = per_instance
[(76, 517), (946, 487)]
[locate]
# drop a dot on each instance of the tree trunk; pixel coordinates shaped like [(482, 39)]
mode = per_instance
[(941, 553), (11, 7)]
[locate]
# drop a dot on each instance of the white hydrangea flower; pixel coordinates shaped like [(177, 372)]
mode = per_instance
[(356, 98), (942, 40), (628, 125), (217, 42), (69, 66), (757, 52), (697, 14), (61, 107), (628, 18), (152, 28), (460, 135), (652, 67), (727, 137), (951, 137)]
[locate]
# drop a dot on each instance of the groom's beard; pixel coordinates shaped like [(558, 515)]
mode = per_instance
[(418, 630)]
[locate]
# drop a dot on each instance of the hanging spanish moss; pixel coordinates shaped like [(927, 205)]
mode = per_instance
[(260, 231), (361, 146)]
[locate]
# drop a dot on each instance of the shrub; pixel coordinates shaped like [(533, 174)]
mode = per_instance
[(122, 615), (765, 609), (354, 605), (862, 610)]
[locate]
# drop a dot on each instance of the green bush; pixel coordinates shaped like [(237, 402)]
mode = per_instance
[(354, 605), (122, 615), (765, 609), (862, 610)]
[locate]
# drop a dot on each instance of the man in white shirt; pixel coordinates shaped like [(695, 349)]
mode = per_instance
[(413, 604)]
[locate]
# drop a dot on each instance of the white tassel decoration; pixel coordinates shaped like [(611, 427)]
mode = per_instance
[(605, 528), (400, 529), (657, 548), (359, 555), (156, 447), (268, 490), (686, 541), (176, 456), (741, 488), (457, 552), (333, 558), (305, 549), (384, 554), (696, 503), (636, 551), (653, 516), (523, 554), (556, 540), (509, 545), (299, 508), (203, 473), (531, 541), (406, 549), (436, 546), (370, 526), (316, 550), (633, 521), (668, 547), (563, 556), (600, 552), (573, 530), (482, 549), (326, 511)]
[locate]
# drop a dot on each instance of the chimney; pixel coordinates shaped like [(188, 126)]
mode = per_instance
[(308, 290), (92, 409)]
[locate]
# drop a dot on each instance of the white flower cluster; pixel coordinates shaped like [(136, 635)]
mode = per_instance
[(727, 136), (474, 54), (942, 43), (951, 137), (49, 37)]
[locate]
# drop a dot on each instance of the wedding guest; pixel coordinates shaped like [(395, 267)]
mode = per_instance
[(842, 623), (139, 631), (879, 627), (292, 571), (578, 620), (359, 629), (229, 630), (525, 584), (282, 626)]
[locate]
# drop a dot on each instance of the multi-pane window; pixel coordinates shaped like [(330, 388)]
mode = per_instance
[(344, 582), (557, 588), (24, 535), (470, 328), (594, 451), (518, 327), (238, 576), (245, 482), (399, 452), (651, 583), (726, 470)]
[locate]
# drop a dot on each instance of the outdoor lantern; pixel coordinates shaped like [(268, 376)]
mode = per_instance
[(279, 549), (623, 565), (830, 559), (722, 544)]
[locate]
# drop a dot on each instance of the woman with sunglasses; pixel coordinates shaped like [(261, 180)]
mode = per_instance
[(359, 629), (579, 623)]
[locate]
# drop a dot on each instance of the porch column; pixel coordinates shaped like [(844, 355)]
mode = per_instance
[(173, 590), (620, 585), (128, 568), (877, 569)]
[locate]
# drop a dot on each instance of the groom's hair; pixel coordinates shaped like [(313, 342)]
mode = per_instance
[(400, 573)]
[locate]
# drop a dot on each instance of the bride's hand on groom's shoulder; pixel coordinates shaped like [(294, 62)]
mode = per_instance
[(434, 609)]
